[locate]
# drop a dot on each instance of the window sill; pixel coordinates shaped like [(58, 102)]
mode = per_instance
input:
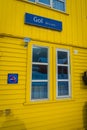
[(49, 102), (44, 6)]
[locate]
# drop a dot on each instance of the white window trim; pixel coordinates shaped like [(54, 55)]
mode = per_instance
[(39, 63), (68, 65), (48, 94)]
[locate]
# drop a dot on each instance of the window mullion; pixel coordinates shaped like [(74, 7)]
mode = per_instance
[(63, 65), (51, 3), (38, 63)]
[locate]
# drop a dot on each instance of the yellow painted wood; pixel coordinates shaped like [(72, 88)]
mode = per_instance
[(51, 114), (74, 23)]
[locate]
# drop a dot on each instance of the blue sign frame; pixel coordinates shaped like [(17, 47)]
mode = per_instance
[(42, 22), (12, 78)]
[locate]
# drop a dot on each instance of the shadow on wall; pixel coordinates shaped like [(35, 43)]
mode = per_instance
[(12, 122), (85, 116)]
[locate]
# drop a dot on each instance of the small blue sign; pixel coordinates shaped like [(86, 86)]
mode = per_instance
[(43, 22), (12, 78)]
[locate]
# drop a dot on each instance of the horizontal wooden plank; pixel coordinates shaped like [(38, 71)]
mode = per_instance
[(79, 69), (13, 54), (43, 108), (12, 97), (79, 57), (11, 45), (46, 114), (45, 119), (15, 101), (12, 87), (76, 63), (80, 51), (16, 64), (11, 40), (7, 92), (16, 127), (5, 72), (56, 122), (11, 106), (13, 59), (3, 68), (23, 51)]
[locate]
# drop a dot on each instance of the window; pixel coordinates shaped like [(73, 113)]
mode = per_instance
[(63, 78), (59, 4), (39, 87), (55, 4), (48, 77)]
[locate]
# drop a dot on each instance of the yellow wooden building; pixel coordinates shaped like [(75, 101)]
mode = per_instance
[(43, 64)]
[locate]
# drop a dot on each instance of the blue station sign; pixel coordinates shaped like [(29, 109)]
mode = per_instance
[(43, 22)]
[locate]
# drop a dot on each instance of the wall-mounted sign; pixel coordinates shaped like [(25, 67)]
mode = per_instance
[(43, 22), (12, 78)]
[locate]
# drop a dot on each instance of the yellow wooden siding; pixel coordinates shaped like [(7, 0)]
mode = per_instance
[(74, 23), (12, 60), (45, 116), (61, 114), (54, 115)]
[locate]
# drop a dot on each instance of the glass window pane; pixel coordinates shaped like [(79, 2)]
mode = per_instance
[(32, 0), (62, 72), (40, 54), (62, 57), (63, 88), (45, 1), (39, 72), (59, 5), (39, 90)]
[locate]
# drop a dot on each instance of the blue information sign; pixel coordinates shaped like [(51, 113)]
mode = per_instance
[(43, 22), (12, 78)]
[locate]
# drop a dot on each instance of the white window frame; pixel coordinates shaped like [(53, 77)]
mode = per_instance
[(38, 63), (51, 4), (68, 80)]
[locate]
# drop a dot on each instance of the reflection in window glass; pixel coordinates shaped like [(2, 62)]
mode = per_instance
[(39, 72), (40, 54), (39, 90), (59, 5), (63, 79), (63, 88), (62, 72), (62, 57), (45, 1)]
